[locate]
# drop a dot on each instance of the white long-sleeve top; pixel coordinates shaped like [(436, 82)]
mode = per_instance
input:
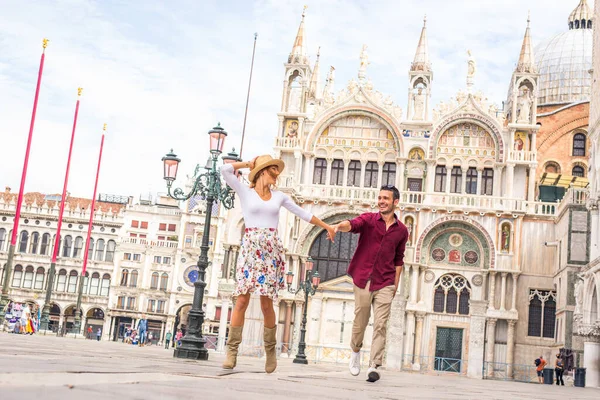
[(259, 213)]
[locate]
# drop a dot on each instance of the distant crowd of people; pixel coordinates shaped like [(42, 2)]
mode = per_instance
[(19, 318), (140, 336)]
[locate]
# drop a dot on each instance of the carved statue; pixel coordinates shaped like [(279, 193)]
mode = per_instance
[(472, 66), (364, 62), (352, 86), (524, 102), (409, 227), (419, 105), (578, 296), (505, 245)]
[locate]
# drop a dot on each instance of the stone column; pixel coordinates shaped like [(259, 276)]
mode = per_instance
[(503, 291), (513, 306), (225, 301), (591, 361), (226, 271), (285, 346), (492, 292), (414, 283), (491, 344), (476, 338), (312, 320), (479, 180), (420, 284), (322, 322), (463, 181), (418, 340), (484, 285), (448, 177), (395, 334), (497, 181), (408, 341), (363, 167), (510, 347), (531, 183), (297, 323), (430, 176), (510, 177), (161, 338), (400, 168), (345, 175), (380, 173), (307, 178), (328, 177), (298, 161)]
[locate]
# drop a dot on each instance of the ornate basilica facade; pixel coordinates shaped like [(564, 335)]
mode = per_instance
[(494, 200)]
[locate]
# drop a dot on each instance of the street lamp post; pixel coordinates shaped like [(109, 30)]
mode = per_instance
[(309, 285), (207, 185)]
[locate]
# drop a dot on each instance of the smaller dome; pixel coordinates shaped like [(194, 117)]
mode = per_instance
[(581, 17)]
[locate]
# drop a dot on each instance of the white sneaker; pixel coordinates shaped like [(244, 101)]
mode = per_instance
[(355, 363), (373, 374)]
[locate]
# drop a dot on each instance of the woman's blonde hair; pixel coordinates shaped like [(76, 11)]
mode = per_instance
[(252, 184)]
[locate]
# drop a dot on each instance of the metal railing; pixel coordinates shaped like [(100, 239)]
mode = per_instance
[(509, 372), (433, 364)]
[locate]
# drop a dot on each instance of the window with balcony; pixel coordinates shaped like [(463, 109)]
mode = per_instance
[(72, 285), (105, 285), (542, 313), (337, 173), (35, 241), (151, 306), (320, 171), (455, 180), (487, 182), (440, 178), (154, 281), (39, 278), (78, 248), (164, 280), (389, 174), (471, 187), (67, 245), (23, 242), (61, 281), (353, 173), (579, 144), (17, 276), (28, 278), (371, 174), (133, 278), (131, 303), (451, 295)]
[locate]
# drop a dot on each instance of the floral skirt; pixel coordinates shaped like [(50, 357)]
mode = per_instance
[(261, 265)]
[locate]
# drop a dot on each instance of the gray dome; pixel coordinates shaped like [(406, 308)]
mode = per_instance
[(564, 62)]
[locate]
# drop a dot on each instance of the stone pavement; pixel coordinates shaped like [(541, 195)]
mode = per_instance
[(43, 367)]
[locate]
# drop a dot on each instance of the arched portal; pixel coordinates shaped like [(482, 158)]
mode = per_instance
[(94, 319)]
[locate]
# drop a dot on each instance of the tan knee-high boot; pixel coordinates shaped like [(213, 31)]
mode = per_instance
[(270, 339), (235, 338)]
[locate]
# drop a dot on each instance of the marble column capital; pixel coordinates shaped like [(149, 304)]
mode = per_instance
[(504, 274), (492, 321), (420, 316), (512, 323)]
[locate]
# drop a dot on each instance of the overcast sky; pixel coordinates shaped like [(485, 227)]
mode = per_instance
[(161, 74)]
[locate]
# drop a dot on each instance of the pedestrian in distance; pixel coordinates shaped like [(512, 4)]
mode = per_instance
[(261, 265), (178, 337), (89, 332), (375, 270), (142, 327), (559, 369), (167, 340), (98, 334), (540, 363)]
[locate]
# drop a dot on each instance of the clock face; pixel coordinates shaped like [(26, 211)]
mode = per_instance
[(191, 274)]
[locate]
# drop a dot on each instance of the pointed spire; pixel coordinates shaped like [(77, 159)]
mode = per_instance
[(421, 61), (581, 17), (313, 88), (298, 54), (526, 62)]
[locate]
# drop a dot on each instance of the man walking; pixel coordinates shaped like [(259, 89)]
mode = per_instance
[(540, 364), (99, 334), (167, 340), (375, 270), (142, 327)]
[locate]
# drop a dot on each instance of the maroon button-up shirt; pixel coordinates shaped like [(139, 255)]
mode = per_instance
[(379, 251)]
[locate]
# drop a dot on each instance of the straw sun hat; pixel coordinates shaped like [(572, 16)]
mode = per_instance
[(263, 162)]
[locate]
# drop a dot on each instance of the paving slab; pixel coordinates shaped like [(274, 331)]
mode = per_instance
[(44, 367)]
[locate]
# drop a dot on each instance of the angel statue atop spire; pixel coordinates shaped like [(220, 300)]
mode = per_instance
[(364, 62), (472, 66)]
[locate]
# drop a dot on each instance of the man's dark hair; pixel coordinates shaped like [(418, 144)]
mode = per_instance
[(392, 189)]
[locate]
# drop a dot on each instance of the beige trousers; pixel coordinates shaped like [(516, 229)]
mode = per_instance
[(381, 301)]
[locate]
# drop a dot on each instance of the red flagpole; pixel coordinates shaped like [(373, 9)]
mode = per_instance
[(45, 318), (13, 240), (89, 233), (64, 192)]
